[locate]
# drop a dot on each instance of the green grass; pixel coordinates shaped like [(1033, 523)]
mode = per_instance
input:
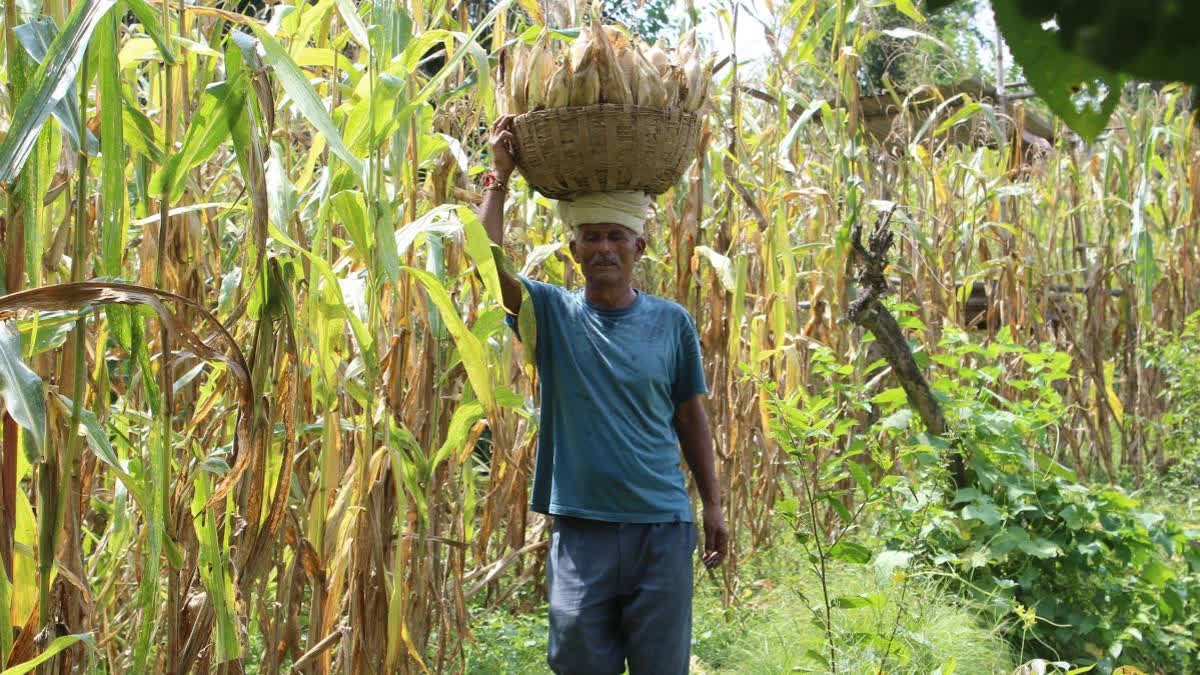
[(769, 629)]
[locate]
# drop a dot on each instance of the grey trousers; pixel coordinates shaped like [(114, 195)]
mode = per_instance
[(620, 593)]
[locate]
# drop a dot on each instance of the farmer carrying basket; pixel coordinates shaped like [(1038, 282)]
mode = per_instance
[(622, 388)]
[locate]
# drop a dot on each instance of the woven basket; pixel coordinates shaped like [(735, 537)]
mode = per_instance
[(606, 147)]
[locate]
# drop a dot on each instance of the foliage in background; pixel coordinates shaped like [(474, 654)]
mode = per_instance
[(1176, 358), (1077, 55), (1071, 571)]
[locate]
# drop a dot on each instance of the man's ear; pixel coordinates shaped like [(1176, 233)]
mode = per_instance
[(571, 246), (641, 246)]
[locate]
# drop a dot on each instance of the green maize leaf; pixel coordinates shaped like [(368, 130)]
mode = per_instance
[(149, 18), (465, 416), (49, 85), (297, 86), (721, 265), (351, 209), (210, 127), (386, 254), (55, 647), (97, 440), (21, 390), (479, 248), (474, 354), (36, 37), (114, 216), (1057, 74), (353, 23)]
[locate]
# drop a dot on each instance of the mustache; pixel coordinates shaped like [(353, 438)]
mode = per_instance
[(605, 260)]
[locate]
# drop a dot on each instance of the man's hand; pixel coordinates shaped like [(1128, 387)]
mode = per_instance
[(716, 537), (504, 147)]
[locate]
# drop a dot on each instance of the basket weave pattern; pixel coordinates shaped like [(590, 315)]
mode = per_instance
[(603, 148)]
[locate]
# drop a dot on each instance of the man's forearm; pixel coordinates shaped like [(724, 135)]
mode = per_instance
[(695, 439), (491, 212)]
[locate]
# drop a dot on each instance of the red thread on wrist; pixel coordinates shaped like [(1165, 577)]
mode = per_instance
[(492, 182)]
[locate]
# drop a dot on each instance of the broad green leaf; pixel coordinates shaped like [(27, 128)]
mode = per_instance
[(897, 421), (24, 595), (49, 84), (472, 351), (97, 440), (149, 18), (353, 23), (963, 114), (22, 392), (1079, 92), (114, 203), (305, 97), (1039, 547), (1075, 516), (281, 194), (51, 651), (387, 257), (983, 511), (907, 8), (843, 513), (351, 210), (210, 127), (850, 601), (36, 37), (479, 247), (465, 416), (850, 552), (860, 476)]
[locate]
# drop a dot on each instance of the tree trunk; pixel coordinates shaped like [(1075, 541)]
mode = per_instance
[(867, 311)]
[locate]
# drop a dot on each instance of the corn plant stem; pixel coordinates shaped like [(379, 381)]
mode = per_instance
[(78, 374), (13, 235), (161, 465)]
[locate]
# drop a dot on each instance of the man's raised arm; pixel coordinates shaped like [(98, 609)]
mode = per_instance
[(491, 211)]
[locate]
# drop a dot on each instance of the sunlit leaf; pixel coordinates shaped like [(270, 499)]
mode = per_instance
[(48, 86)]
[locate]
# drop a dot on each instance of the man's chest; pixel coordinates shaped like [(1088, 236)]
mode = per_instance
[(621, 350)]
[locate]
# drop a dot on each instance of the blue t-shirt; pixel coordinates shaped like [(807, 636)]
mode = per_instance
[(610, 382)]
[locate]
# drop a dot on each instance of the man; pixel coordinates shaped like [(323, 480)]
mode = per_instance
[(622, 392)]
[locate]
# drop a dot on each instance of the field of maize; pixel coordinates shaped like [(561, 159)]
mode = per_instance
[(263, 411)]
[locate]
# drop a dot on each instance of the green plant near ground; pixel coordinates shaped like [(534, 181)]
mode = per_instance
[(1176, 432), (808, 427), (770, 628), (1075, 571)]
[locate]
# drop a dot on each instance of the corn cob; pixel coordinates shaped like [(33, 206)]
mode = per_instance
[(613, 87), (541, 63), (558, 87)]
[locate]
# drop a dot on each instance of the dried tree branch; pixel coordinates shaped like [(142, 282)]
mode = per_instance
[(867, 311)]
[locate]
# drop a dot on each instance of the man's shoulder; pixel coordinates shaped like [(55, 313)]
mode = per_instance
[(666, 306), (542, 289)]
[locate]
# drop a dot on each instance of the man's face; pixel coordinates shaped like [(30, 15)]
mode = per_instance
[(606, 252)]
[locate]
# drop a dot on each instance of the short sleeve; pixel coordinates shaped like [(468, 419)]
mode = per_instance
[(537, 293), (689, 369)]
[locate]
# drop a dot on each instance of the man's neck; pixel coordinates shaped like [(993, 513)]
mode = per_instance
[(610, 297)]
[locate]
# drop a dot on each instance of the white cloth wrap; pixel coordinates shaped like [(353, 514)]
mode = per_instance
[(627, 208)]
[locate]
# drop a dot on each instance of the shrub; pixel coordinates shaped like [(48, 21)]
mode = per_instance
[(1082, 572)]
